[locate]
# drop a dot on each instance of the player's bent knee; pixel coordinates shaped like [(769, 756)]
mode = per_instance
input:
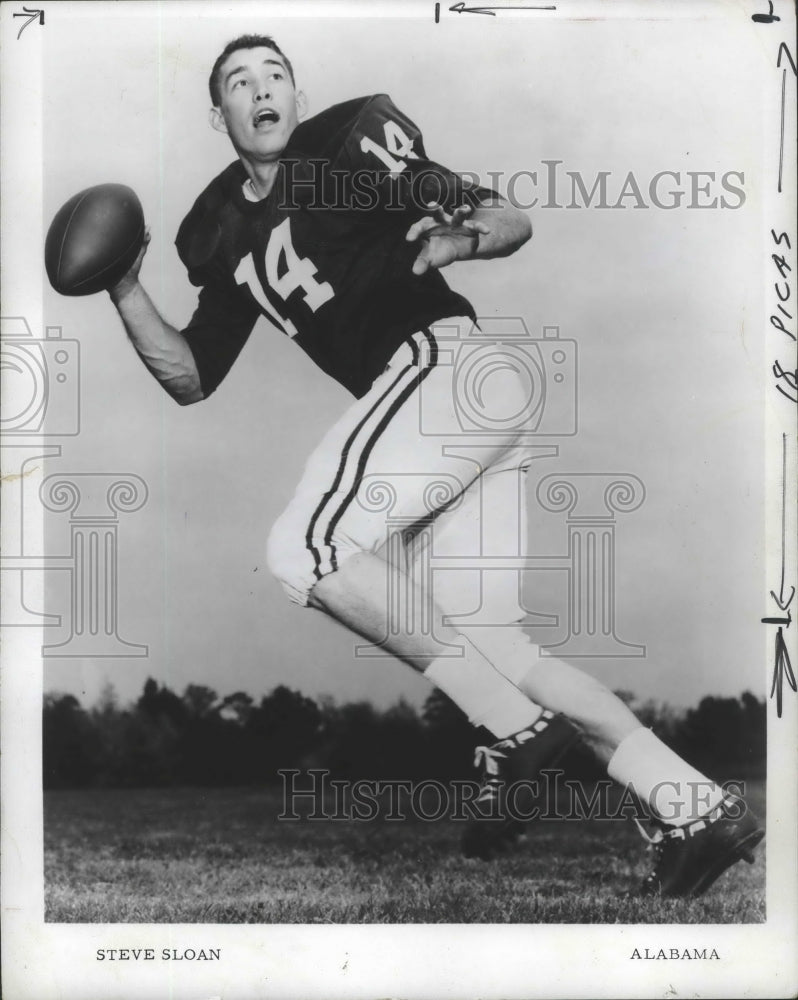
[(286, 560), (298, 563)]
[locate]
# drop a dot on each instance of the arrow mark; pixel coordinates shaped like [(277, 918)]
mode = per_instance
[(460, 8), (31, 15), (782, 668)]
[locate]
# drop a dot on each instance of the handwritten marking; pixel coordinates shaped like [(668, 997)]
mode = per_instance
[(31, 15), (437, 13), (783, 50), (781, 140), (783, 605), (782, 668), (768, 18), (777, 621), (790, 378), (460, 8), (786, 381)]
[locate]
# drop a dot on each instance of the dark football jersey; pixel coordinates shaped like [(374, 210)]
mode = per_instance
[(324, 256)]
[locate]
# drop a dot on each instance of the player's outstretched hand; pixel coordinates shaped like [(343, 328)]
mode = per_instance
[(444, 238), (129, 280)]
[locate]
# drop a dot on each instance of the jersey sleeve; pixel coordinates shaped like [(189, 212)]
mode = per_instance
[(225, 316), (385, 153), (218, 330)]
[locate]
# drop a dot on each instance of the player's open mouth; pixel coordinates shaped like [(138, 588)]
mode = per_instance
[(265, 117)]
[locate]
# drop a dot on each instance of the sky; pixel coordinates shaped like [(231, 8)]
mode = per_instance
[(660, 302)]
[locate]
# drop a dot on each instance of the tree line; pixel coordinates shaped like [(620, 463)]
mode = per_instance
[(199, 738)]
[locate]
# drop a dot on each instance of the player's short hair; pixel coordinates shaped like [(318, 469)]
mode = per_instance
[(243, 42)]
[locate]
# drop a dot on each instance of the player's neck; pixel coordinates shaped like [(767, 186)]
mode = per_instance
[(261, 176)]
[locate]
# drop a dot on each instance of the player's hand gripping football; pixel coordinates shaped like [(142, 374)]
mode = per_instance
[(444, 238), (130, 279)]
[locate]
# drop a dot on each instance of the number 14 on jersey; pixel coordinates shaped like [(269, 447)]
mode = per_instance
[(298, 272)]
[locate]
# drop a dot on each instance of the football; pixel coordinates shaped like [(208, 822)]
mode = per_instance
[(93, 239)]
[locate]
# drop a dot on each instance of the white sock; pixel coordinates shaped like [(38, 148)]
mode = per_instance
[(486, 697), (675, 791)]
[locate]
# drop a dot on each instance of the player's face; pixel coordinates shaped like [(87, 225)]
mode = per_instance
[(259, 104)]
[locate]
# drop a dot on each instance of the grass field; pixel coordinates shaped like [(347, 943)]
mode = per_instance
[(221, 856)]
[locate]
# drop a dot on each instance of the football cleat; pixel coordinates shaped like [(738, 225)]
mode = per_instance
[(517, 758), (688, 859)]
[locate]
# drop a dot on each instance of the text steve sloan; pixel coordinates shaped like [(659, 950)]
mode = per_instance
[(165, 954)]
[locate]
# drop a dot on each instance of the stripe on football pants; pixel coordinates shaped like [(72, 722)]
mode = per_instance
[(355, 455), (342, 466)]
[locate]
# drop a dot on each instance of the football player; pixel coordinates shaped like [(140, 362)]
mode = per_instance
[(336, 229)]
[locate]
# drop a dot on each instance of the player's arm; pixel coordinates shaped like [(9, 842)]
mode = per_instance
[(162, 348), (491, 229)]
